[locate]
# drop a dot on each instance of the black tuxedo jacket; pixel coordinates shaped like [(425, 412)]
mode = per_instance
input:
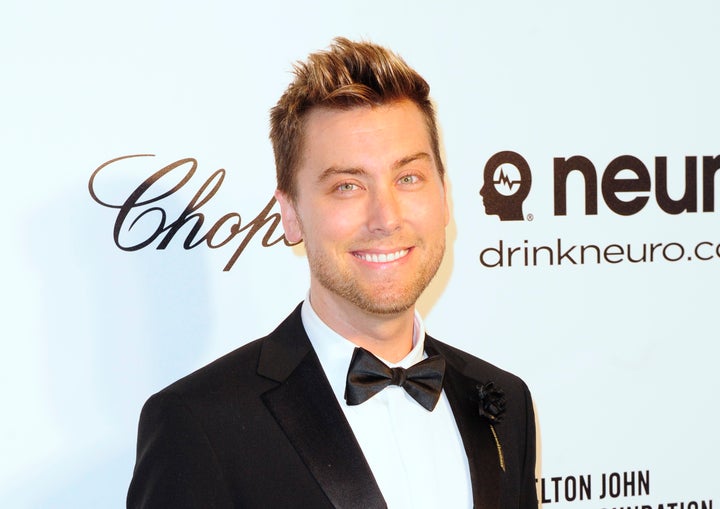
[(261, 428)]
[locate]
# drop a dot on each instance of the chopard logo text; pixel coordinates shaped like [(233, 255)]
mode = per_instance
[(143, 210)]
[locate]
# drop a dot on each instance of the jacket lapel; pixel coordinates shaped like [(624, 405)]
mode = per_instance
[(305, 407), (477, 436)]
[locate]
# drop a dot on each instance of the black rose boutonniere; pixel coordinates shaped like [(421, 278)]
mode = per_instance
[(491, 406), (492, 402)]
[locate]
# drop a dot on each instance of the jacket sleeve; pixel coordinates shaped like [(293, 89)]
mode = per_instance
[(176, 465)]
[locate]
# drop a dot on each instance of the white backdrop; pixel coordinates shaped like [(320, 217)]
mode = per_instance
[(621, 357)]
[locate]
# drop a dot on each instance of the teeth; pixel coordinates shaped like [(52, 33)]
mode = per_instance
[(382, 257)]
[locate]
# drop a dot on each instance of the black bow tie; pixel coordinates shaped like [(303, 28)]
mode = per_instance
[(368, 375)]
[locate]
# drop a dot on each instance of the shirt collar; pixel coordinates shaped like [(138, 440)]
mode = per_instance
[(335, 351)]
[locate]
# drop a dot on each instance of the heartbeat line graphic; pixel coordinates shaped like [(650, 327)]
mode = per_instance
[(505, 180)]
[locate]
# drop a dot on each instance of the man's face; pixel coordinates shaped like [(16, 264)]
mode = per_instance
[(370, 206)]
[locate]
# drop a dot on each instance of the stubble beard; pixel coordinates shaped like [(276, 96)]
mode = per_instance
[(383, 298)]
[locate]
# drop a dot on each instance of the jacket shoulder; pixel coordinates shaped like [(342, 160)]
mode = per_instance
[(244, 367), (477, 368)]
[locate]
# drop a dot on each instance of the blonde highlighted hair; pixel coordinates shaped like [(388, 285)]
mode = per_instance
[(346, 75)]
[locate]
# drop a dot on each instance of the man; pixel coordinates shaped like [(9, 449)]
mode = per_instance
[(282, 421)]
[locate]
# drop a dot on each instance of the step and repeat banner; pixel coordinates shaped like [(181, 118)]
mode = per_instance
[(140, 239)]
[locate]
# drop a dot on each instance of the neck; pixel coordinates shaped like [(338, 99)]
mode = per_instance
[(388, 336)]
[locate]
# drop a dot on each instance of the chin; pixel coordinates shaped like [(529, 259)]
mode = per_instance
[(384, 302)]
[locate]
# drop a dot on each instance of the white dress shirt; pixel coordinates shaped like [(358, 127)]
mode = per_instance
[(416, 456)]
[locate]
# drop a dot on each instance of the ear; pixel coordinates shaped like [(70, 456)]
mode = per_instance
[(290, 219), (447, 203)]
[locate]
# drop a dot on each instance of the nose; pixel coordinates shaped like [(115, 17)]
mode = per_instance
[(384, 211)]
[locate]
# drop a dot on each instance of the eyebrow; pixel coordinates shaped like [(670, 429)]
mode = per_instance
[(353, 170)]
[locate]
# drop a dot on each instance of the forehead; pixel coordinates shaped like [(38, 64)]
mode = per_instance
[(364, 135)]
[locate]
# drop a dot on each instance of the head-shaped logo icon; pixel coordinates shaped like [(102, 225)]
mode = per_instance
[(506, 184)]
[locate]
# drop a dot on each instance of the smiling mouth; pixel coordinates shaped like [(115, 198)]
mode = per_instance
[(382, 257)]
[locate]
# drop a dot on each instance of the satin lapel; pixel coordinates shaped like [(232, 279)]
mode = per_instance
[(305, 407), (478, 439)]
